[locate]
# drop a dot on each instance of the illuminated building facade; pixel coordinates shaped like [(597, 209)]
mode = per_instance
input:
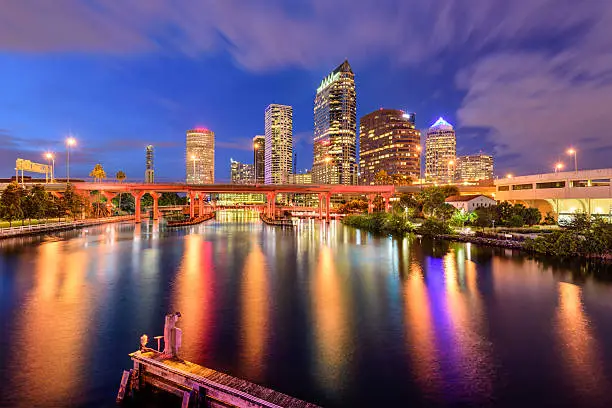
[(149, 169), (389, 141), (242, 173), (200, 156), (475, 167), (279, 144), (440, 153), (259, 158), (335, 129), (301, 178)]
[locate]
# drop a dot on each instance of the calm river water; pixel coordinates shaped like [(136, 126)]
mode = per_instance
[(325, 313)]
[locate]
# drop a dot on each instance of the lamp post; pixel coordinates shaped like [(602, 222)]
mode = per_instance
[(558, 167), (69, 143), (509, 175), (51, 159), (572, 152)]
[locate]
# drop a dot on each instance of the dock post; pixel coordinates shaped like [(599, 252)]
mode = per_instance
[(124, 382)]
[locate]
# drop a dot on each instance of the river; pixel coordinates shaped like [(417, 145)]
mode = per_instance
[(325, 313)]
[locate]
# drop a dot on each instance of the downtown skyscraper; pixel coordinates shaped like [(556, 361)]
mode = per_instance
[(259, 158), (149, 167), (440, 152), (279, 144), (389, 141), (335, 128), (200, 156)]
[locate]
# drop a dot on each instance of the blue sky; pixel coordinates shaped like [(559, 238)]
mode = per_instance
[(523, 80)]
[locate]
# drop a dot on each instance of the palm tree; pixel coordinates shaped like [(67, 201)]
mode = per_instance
[(120, 176), (98, 173)]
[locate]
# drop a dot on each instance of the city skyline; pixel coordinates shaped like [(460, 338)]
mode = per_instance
[(476, 77)]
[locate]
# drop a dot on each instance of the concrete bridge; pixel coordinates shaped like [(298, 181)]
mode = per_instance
[(197, 193), (563, 193)]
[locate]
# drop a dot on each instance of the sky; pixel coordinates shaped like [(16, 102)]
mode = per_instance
[(523, 80)]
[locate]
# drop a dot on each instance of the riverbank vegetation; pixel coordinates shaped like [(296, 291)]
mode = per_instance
[(426, 213)]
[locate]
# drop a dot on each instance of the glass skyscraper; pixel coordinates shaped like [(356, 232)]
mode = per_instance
[(200, 156), (440, 152), (335, 128), (259, 158), (279, 144)]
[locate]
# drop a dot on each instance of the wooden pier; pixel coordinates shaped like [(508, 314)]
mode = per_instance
[(191, 221), (281, 222), (199, 386), (195, 385)]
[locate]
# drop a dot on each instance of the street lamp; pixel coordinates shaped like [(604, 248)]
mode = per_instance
[(558, 167), (509, 175), (50, 158), (572, 152), (69, 143)]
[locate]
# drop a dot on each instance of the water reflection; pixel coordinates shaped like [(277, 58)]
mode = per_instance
[(255, 322), (331, 322), (51, 329), (579, 348)]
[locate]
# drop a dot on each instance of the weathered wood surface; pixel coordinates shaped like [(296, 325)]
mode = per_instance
[(214, 381)]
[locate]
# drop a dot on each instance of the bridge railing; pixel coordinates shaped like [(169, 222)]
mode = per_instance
[(54, 225)]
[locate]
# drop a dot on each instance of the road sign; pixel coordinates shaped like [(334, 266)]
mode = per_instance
[(27, 165)]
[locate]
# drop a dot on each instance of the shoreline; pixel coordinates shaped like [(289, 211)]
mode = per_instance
[(42, 229)]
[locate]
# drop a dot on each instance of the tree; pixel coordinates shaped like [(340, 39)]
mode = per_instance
[(36, 202), (98, 173), (73, 203), (532, 216), (382, 178), (10, 203), (431, 198), (449, 191), (485, 216), (120, 176), (401, 179)]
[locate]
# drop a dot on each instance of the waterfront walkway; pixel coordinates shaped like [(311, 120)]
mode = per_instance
[(58, 226)]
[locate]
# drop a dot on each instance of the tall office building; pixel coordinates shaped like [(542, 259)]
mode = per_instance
[(149, 169), (200, 156), (279, 144), (335, 128), (389, 141), (440, 153), (242, 173), (259, 158), (475, 167)]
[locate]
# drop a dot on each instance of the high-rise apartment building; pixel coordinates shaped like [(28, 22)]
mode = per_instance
[(440, 153), (200, 156), (335, 128), (389, 141), (259, 158), (475, 167), (279, 144), (242, 173), (149, 169)]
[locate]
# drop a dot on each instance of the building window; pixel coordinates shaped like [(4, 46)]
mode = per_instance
[(552, 184), (503, 188), (522, 187), (579, 183), (600, 183)]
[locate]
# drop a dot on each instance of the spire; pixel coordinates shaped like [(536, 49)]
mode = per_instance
[(442, 124), (344, 67)]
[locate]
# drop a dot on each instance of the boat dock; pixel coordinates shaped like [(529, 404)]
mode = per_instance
[(277, 222), (195, 385)]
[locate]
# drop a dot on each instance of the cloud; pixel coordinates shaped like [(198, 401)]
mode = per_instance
[(234, 145)]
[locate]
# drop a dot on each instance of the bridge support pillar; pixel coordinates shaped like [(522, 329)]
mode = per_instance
[(155, 196), (271, 202), (192, 196), (387, 198), (201, 205), (137, 196), (109, 198), (328, 207), (371, 198), (320, 207)]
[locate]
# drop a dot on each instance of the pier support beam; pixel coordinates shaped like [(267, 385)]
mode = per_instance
[(192, 196), (328, 206), (371, 198), (201, 207), (155, 196), (137, 213), (387, 198)]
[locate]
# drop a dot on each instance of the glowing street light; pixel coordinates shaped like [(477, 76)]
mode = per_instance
[(509, 175), (51, 159), (71, 141), (572, 152), (558, 166)]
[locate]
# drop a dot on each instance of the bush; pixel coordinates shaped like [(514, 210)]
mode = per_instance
[(432, 227), (515, 221), (380, 223)]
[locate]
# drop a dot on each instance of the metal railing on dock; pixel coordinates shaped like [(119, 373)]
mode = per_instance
[(58, 226)]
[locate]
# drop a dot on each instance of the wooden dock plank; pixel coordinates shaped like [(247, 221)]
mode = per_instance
[(224, 382)]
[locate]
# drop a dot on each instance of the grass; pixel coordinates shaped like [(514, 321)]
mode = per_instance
[(5, 224)]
